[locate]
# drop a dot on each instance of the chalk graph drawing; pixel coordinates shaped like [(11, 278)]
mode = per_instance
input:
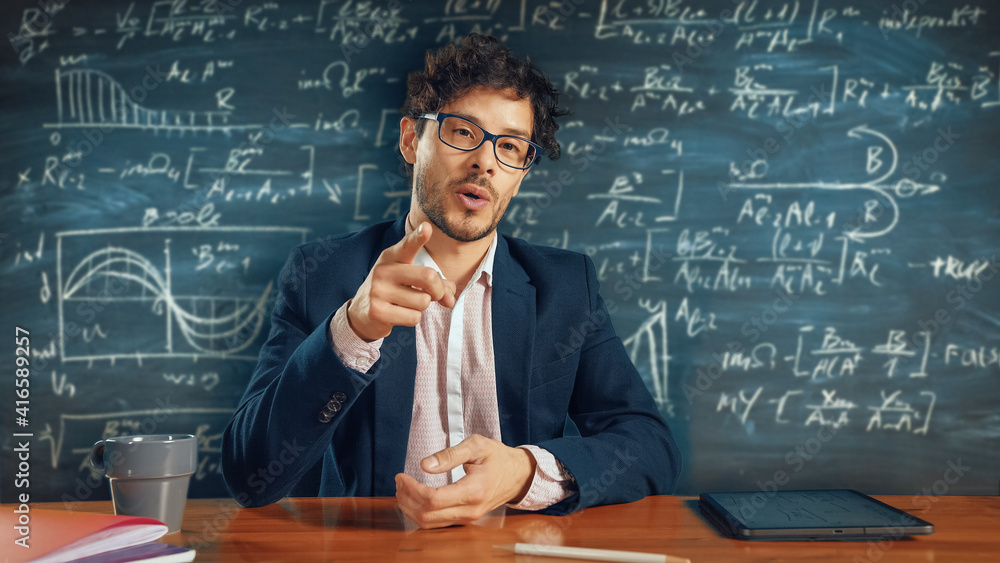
[(91, 98), (647, 347), (193, 300)]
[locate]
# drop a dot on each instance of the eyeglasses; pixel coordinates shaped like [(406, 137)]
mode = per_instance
[(464, 135)]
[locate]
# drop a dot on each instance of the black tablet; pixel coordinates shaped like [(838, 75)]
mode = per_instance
[(832, 514)]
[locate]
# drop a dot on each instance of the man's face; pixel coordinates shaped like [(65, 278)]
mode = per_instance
[(465, 193)]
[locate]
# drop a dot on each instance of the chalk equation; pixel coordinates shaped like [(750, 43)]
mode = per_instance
[(889, 411)]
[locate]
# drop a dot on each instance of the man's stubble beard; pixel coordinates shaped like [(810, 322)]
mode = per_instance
[(434, 208)]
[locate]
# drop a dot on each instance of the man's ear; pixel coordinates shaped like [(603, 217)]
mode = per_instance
[(408, 139)]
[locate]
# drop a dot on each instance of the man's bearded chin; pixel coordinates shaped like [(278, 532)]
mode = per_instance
[(435, 211)]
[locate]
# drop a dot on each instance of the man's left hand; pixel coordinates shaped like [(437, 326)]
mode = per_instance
[(495, 474)]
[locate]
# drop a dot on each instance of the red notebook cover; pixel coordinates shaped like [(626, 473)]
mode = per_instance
[(48, 536)]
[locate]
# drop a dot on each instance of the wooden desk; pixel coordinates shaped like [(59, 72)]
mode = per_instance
[(370, 529)]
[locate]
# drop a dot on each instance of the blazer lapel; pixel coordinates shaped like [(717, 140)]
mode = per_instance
[(393, 407), (514, 319), (393, 393)]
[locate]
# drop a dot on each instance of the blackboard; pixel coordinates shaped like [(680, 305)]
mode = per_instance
[(792, 205)]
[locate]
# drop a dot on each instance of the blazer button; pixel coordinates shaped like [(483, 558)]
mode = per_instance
[(332, 407)]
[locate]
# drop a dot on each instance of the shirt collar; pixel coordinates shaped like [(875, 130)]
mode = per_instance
[(485, 267)]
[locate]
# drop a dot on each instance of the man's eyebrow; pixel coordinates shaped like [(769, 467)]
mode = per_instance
[(508, 131)]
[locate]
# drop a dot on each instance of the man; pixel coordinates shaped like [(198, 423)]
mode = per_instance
[(433, 359)]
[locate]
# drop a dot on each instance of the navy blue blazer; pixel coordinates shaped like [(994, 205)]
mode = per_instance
[(556, 354)]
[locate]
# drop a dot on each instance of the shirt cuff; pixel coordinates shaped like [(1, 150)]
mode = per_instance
[(550, 484), (349, 347)]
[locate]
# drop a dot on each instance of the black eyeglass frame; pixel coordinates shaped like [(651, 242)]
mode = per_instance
[(487, 136)]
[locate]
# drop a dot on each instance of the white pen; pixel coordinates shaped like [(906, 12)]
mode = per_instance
[(590, 554)]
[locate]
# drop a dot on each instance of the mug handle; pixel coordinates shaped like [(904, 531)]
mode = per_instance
[(97, 456)]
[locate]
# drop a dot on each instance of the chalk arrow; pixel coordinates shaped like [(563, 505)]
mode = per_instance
[(909, 188)]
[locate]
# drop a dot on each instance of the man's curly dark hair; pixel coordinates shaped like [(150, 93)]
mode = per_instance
[(451, 72)]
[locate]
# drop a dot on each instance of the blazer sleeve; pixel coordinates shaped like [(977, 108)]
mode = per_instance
[(279, 430), (625, 450)]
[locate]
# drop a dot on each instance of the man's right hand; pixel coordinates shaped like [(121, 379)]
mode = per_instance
[(396, 292)]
